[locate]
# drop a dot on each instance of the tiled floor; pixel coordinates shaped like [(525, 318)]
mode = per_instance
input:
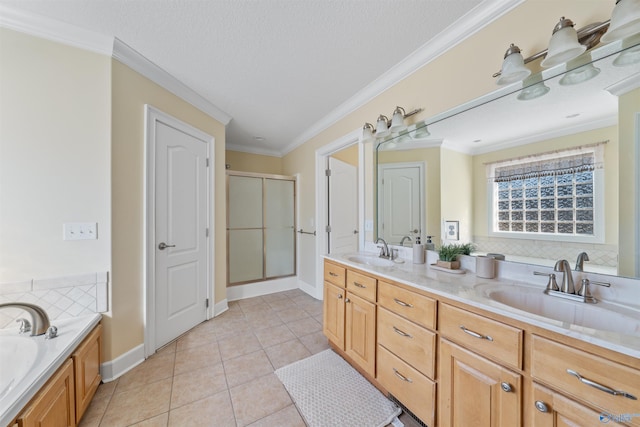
[(222, 372)]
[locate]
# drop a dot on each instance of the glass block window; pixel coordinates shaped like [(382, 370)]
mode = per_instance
[(554, 195)]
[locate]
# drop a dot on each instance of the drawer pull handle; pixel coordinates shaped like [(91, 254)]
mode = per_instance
[(600, 386), (400, 332), (331, 273), (402, 303), (475, 334), (541, 406), (506, 387), (402, 377), (359, 285)]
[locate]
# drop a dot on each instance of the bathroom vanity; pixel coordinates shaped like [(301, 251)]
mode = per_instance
[(51, 382), (452, 355)]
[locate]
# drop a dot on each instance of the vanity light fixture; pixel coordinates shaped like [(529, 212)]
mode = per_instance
[(397, 120), (625, 21), (628, 57), (382, 126), (532, 92), (579, 75), (513, 69), (564, 45), (367, 132), (417, 132), (390, 129)]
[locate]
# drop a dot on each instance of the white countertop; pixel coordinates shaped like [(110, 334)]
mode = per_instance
[(467, 289), (47, 354)]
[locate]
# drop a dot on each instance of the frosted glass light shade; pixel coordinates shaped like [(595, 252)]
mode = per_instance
[(564, 45), (513, 69), (367, 133), (625, 21), (628, 57), (397, 121), (579, 75), (532, 92), (382, 127)]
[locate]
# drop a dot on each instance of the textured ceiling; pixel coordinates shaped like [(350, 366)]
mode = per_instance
[(275, 66)]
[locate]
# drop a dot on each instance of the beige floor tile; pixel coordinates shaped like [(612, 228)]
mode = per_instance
[(238, 344), (315, 342), (196, 358), (314, 309), (281, 304), (306, 326), (138, 404), (213, 411), (304, 299), (287, 352), (195, 338), (168, 348), (155, 368), (196, 385), (287, 417), (232, 326), (274, 297), (264, 320), (248, 302), (242, 369), (273, 336), (106, 389), (291, 314), (258, 398), (292, 293), (157, 421)]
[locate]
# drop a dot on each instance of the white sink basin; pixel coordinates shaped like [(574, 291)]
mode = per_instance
[(371, 260), (20, 353), (599, 316)]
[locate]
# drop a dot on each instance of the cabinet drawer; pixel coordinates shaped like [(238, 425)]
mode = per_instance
[(413, 306), (551, 360), (334, 274), (482, 335), (409, 386), (361, 285), (412, 343)]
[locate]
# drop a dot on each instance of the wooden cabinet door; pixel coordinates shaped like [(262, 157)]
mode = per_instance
[(86, 363), (360, 335), (54, 404), (475, 391), (551, 409), (333, 314)]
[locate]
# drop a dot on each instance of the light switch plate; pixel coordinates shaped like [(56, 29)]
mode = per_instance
[(80, 231)]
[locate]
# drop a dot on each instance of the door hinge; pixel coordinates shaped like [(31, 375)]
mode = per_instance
[(206, 232), (206, 303), (328, 229), (327, 172), (207, 162)]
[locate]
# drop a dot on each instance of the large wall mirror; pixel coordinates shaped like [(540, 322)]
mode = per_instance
[(593, 101)]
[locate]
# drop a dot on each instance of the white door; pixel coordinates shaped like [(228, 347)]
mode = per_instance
[(400, 202), (343, 207), (181, 253)]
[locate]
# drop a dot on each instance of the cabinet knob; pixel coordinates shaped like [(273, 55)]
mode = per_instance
[(541, 406), (339, 296), (506, 387), (347, 300)]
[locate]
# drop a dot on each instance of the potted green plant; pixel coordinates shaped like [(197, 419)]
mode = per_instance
[(448, 254)]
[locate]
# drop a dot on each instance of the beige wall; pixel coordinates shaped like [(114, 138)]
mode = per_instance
[(348, 155), (456, 191), (455, 77), (131, 91), (54, 157), (257, 163), (629, 106)]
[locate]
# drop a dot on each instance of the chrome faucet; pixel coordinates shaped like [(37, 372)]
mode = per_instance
[(39, 319), (403, 239), (567, 278), (384, 250), (582, 257)]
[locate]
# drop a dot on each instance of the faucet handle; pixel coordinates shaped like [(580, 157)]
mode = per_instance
[(25, 325), (552, 285)]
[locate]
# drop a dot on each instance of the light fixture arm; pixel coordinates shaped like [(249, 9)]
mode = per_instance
[(588, 36)]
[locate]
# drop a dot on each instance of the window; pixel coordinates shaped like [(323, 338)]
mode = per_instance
[(551, 195)]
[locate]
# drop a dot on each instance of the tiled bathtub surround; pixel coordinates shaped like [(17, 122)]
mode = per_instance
[(61, 297)]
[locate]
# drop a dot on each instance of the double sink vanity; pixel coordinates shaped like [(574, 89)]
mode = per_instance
[(456, 349)]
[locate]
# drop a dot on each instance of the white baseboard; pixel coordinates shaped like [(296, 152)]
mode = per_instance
[(122, 364), (311, 290), (220, 307)]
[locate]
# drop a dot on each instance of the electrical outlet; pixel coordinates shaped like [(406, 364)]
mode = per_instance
[(80, 231), (368, 225)]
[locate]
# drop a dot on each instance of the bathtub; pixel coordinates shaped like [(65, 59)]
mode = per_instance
[(26, 363)]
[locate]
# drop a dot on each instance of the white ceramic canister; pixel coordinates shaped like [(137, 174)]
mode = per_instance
[(485, 267)]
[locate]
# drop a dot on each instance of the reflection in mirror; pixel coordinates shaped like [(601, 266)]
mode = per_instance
[(557, 110)]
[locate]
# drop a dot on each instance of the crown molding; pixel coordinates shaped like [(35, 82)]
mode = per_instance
[(624, 86), (50, 29), (463, 28), (253, 150), (137, 62), (71, 35)]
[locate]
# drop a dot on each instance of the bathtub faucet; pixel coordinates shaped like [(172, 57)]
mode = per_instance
[(39, 319)]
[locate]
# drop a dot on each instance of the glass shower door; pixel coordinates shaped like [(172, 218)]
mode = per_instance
[(279, 228)]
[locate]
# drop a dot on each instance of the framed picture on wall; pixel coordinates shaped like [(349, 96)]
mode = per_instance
[(452, 230)]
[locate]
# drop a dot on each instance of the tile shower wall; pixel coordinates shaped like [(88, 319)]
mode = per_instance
[(606, 255), (61, 297)]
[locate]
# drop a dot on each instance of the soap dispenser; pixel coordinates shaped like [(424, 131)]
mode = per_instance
[(418, 251), (430, 246)]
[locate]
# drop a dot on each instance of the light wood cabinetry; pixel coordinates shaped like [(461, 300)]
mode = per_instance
[(54, 405), (360, 335), (474, 391), (65, 397), (334, 314), (86, 365)]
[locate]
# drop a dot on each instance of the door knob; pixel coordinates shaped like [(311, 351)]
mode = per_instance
[(162, 246)]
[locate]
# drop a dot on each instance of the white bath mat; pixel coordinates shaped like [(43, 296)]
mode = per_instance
[(329, 392)]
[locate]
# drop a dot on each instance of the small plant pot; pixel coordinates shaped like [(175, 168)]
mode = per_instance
[(451, 265)]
